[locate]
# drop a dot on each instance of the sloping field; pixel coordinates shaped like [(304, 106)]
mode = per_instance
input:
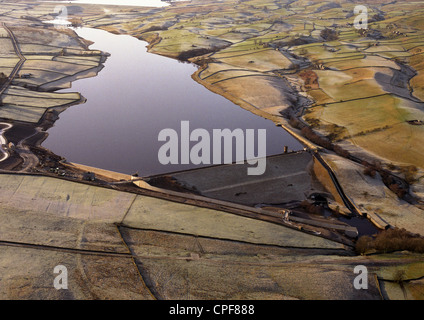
[(84, 61), (67, 199), (367, 62), (6, 71), (67, 68), (379, 126), (373, 197), (261, 92), (347, 114), (168, 216), (52, 58), (120, 245), (90, 276), (6, 47), (37, 102), (400, 144), (174, 42), (26, 105), (63, 198), (342, 86), (18, 113), (219, 71), (188, 267), (28, 49), (8, 62), (224, 74), (62, 232), (109, 262), (417, 82), (262, 61), (48, 37)]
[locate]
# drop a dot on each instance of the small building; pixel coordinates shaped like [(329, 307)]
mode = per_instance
[(285, 214), (320, 199), (89, 176), (416, 122)]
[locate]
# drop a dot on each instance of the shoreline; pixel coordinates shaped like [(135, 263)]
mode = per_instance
[(278, 121), (295, 232)]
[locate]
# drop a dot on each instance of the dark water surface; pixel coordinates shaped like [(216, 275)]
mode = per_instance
[(132, 99)]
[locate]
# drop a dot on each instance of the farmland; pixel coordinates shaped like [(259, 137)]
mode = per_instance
[(48, 66), (353, 97)]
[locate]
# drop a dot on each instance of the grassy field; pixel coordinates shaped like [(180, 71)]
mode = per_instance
[(382, 130), (25, 105), (263, 61), (300, 60), (256, 51), (52, 58)]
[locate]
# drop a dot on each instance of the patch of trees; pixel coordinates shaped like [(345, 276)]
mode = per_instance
[(156, 28), (391, 240), (317, 139), (293, 41), (365, 132), (3, 78), (377, 17), (397, 185), (328, 6), (371, 33), (310, 79), (409, 173), (260, 43), (336, 132), (203, 61), (295, 123), (311, 207), (369, 171), (329, 34), (186, 55), (76, 22), (30, 18), (309, 134)]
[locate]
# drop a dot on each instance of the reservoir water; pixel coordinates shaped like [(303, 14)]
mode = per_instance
[(134, 97)]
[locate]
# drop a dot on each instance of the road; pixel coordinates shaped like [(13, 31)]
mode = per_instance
[(19, 65), (348, 203), (3, 141), (30, 160), (315, 153)]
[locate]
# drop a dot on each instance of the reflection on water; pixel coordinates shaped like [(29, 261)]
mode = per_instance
[(364, 226), (132, 99)]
